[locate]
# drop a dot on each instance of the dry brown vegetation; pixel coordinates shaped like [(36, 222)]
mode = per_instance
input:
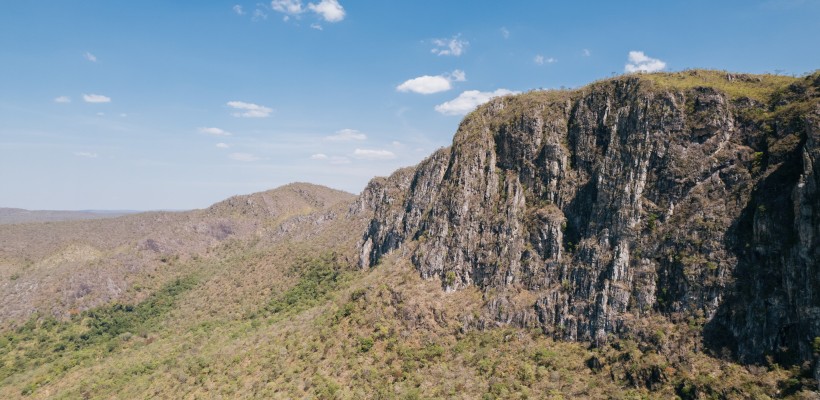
[(259, 296), (60, 268), (381, 333)]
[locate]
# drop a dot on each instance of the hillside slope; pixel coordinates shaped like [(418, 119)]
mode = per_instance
[(59, 268)]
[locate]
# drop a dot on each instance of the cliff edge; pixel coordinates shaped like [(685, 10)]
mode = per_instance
[(675, 205)]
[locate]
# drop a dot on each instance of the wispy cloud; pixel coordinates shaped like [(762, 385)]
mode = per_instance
[(90, 57), (245, 157), (62, 99), (586, 53), (541, 60), (336, 160), (505, 33), (427, 84), (346, 135), (329, 10), (249, 110), (467, 101), (373, 154), (457, 76), (238, 10), (222, 146), (640, 62), (259, 15), (86, 154), (449, 47), (291, 7), (96, 98), (317, 27), (214, 131)]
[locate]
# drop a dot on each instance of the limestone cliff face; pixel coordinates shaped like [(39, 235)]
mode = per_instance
[(586, 212)]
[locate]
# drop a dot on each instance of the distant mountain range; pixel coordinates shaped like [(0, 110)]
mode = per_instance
[(19, 215)]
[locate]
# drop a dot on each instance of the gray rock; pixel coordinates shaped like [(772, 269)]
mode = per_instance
[(619, 202)]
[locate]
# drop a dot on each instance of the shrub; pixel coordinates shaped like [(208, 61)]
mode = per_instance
[(365, 344)]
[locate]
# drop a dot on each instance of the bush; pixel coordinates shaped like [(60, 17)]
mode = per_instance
[(365, 344)]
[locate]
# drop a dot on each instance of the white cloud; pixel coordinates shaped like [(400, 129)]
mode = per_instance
[(96, 98), (317, 27), (259, 15), (222, 145), (246, 157), (449, 47), (467, 101), (586, 53), (214, 131), (505, 33), (425, 85), (346, 135), (123, 115), (238, 10), (373, 154), (90, 57), (458, 76), (329, 10), (640, 62), (249, 110), (100, 114), (292, 7), (540, 60), (319, 156), (86, 154), (432, 84), (62, 99)]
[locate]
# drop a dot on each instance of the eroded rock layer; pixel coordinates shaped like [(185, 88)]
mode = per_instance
[(585, 212)]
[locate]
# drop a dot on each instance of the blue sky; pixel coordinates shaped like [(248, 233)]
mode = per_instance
[(156, 105)]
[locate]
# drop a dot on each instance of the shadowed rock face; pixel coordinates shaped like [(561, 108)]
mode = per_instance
[(586, 212)]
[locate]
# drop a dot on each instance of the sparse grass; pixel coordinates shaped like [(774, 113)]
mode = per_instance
[(756, 87), (366, 334)]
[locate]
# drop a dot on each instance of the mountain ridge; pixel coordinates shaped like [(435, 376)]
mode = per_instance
[(88, 263), (595, 243), (570, 195)]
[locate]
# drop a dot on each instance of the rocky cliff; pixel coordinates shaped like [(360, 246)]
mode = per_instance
[(686, 199)]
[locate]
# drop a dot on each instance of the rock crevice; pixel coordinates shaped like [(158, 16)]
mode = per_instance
[(622, 200)]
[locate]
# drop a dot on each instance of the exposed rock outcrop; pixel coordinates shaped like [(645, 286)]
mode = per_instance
[(585, 211)]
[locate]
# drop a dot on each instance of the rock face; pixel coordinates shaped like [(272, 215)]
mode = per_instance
[(585, 212)]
